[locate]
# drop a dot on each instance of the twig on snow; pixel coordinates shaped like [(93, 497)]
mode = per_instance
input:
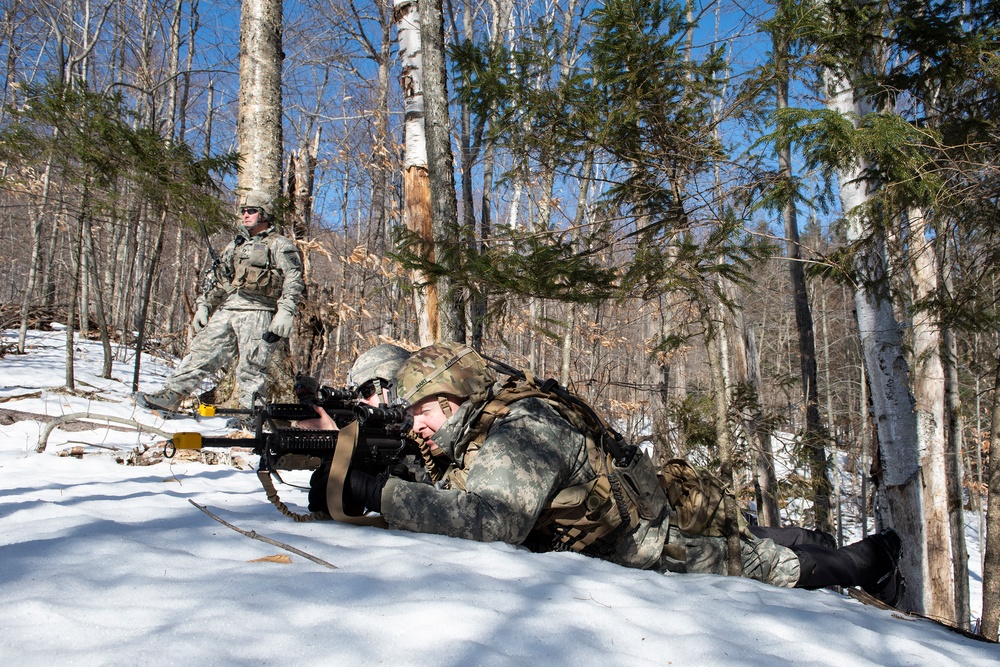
[(254, 535)]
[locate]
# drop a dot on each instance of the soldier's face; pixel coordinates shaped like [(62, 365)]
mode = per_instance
[(428, 416), (251, 219)]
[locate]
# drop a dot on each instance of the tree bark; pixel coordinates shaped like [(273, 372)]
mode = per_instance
[(928, 392), (954, 428), (448, 247), (416, 187), (991, 562), (146, 296), (95, 278), (815, 437), (899, 492), (258, 127), (763, 456), (715, 328)]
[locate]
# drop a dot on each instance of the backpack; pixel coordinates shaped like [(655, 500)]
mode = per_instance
[(696, 496)]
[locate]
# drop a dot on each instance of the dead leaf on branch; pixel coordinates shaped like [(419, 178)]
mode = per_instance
[(359, 255), (313, 245)]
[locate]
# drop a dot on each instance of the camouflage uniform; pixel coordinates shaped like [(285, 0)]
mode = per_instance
[(528, 456), (499, 490), (522, 467), (261, 275), (763, 559)]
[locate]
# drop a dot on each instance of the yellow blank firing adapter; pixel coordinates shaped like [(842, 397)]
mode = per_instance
[(206, 410), (187, 440)]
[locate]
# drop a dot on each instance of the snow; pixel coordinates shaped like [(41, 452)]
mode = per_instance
[(108, 564)]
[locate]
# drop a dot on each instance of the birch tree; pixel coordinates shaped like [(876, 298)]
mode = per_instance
[(416, 184), (260, 110)]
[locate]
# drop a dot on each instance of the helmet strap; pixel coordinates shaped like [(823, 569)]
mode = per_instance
[(445, 405)]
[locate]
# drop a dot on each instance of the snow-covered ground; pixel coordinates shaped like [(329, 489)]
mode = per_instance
[(108, 564)]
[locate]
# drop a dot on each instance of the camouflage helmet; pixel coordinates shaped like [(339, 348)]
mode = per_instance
[(443, 368), (258, 199), (381, 362)]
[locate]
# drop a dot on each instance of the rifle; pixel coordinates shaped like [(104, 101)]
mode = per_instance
[(211, 278), (375, 437)]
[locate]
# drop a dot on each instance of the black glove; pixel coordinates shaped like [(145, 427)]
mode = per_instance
[(317, 488), (306, 389), (271, 337), (361, 488)]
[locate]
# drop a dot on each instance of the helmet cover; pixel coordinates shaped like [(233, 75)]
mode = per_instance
[(380, 362), (258, 199), (443, 368)]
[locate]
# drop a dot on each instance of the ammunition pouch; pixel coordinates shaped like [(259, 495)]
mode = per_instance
[(640, 483)]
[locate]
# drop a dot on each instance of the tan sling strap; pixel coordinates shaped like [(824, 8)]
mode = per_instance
[(272, 494), (347, 439)]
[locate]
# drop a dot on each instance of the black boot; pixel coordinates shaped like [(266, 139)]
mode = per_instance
[(889, 587), (870, 564)]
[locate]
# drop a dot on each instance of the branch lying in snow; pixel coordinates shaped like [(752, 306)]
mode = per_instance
[(254, 535), (43, 437)]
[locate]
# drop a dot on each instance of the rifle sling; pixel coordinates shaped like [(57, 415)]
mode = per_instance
[(346, 441), (272, 494)]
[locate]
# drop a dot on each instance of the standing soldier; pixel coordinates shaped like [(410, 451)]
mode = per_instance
[(250, 307)]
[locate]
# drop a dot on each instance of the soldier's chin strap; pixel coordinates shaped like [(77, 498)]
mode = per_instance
[(445, 405), (347, 440)]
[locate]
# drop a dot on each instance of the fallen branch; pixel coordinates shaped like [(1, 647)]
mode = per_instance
[(43, 437), (253, 534)]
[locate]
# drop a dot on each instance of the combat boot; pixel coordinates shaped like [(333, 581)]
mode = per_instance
[(889, 587), (870, 564), (166, 400)]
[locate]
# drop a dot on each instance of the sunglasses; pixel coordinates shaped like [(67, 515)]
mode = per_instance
[(249, 210)]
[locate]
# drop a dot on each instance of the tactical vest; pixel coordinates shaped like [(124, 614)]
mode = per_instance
[(591, 517), (254, 269)]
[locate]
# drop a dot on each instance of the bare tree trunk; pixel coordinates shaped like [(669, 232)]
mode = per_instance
[(448, 247), (814, 436), (74, 288), (763, 456), (180, 252), (929, 391), (954, 468), (991, 562), (145, 297), (899, 491), (49, 267), (715, 329), (259, 124), (416, 186), (38, 215), (866, 462), (102, 322)]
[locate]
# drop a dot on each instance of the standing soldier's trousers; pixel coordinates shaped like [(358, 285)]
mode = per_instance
[(228, 333)]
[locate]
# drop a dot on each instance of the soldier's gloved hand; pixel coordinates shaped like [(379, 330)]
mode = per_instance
[(306, 388), (201, 317), (361, 488), (281, 324)]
